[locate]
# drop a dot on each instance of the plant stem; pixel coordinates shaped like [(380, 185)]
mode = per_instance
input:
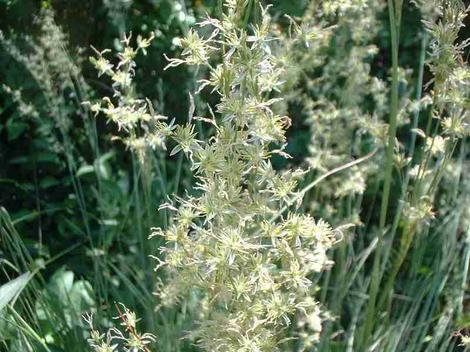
[(376, 277), (419, 88)]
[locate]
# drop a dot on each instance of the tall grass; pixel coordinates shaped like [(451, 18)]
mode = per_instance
[(109, 214)]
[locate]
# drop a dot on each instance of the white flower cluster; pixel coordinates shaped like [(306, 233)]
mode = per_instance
[(251, 273), (114, 339)]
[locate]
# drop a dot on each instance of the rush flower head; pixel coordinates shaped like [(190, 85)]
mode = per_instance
[(253, 272)]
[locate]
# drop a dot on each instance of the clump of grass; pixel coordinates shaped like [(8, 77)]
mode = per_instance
[(101, 200), (352, 108), (449, 100)]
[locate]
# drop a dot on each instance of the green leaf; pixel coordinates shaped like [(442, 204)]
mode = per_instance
[(46, 157), (61, 283), (63, 294), (15, 129), (85, 169), (47, 182), (12, 289)]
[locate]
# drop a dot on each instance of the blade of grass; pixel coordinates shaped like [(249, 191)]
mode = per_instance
[(393, 11)]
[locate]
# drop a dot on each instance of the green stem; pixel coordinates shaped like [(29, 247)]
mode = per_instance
[(178, 173), (414, 125), (419, 92), (465, 270), (247, 14), (376, 277), (311, 185), (405, 244)]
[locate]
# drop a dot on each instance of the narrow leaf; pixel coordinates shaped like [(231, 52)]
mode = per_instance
[(12, 289)]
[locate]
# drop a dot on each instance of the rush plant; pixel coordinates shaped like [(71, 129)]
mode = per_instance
[(230, 242)]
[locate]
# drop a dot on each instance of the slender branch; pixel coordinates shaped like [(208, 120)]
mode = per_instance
[(302, 193)]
